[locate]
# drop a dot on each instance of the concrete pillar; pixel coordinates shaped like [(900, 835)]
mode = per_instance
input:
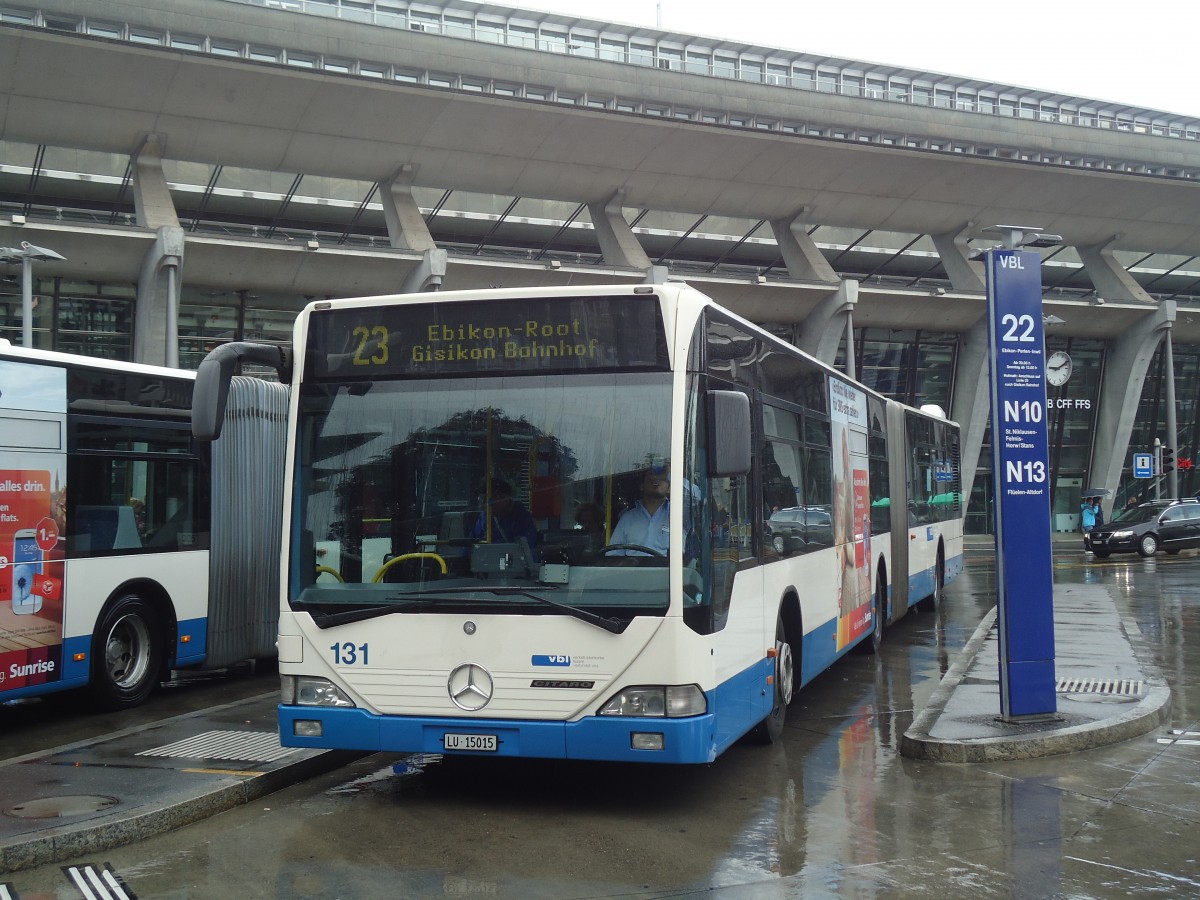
[(151, 196), (156, 321), (804, 261), (823, 329), (405, 224), (428, 275), (156, 318), (965, 274), (618, 245), (970, 406), (1126, 362), (1108, 276), (657, 275)]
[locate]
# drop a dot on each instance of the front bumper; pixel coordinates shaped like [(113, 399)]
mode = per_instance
[(1107, 544), (686, 740)]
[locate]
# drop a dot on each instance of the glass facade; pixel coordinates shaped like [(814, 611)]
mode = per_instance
[(1071, 418), (208, 318), (914, 367), (1070, 427), (94, 319), (88, 319), (1151, 423)]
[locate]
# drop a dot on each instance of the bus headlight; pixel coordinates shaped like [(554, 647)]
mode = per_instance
[(671, 701), (307, 690)]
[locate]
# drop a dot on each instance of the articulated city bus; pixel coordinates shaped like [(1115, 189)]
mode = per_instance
[(608, 523), (126, 548)]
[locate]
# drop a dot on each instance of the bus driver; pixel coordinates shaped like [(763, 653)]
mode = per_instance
[(648, 523)]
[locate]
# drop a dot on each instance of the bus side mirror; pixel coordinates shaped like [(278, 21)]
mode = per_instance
[(728, 433), (215, 373)]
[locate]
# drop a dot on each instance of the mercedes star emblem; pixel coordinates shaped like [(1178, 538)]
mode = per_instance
[(470, 687)]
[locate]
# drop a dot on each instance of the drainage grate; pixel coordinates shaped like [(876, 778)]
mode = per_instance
[(1120, 686), (241, 746)]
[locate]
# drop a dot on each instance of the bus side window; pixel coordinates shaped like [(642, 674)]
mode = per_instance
[(176, 532), (729, 539), (101, 528)]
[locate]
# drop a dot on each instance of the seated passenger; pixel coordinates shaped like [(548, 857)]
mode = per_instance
[(510, 520)]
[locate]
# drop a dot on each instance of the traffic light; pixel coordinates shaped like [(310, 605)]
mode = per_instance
[(1168, 460)]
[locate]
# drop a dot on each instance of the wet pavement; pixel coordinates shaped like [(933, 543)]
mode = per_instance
[(1108, 688), (148, 780), (145, 780)]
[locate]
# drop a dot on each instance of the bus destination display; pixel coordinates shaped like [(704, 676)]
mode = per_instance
[(511, 335)]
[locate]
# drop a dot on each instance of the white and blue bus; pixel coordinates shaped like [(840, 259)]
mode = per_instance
[(606, 523), (126, 547)]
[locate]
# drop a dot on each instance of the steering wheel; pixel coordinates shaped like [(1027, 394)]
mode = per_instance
[(649, 551), (403, 557)]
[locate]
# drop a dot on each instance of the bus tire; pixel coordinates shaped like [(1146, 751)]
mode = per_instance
[(128, 653), (770, 729), (879, 615), (934, 600)]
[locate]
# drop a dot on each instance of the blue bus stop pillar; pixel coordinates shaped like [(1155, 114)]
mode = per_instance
[(1021, 482)]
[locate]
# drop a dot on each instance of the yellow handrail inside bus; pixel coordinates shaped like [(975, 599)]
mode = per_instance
[(325, 570), (378, 579)]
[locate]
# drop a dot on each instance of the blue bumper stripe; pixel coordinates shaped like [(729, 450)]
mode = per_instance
[(684, 740), (733, 708)]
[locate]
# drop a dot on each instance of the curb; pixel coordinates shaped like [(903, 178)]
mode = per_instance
[(1048, 739), (69, 841), (63, 842)]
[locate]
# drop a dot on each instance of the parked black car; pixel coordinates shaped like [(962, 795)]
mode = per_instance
[(1170, 525), (799, 528)]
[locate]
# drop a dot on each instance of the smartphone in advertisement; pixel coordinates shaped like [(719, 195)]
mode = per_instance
[(26, 565)]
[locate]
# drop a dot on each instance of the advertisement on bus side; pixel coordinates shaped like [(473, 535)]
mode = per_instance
[(32, 523), (851, 509), (31, 581)]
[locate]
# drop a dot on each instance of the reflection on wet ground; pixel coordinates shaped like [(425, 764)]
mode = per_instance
[(831, 811)]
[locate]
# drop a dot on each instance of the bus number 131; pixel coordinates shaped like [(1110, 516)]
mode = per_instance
[(349, 655)]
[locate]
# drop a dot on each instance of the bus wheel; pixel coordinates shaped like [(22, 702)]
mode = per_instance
[(127, 653), (934, 600), (880, 615), (770, 729)]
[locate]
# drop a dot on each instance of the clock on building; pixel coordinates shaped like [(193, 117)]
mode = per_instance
[(1058, 368)]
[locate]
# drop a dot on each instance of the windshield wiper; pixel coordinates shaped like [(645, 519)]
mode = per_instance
[(611, 625), (360, 614), (582, 614), (402, 602), (327, 620)]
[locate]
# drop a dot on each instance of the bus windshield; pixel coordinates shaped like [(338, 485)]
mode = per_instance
[(394, 478)]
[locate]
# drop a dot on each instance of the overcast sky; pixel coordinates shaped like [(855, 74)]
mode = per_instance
[(1141, 53)]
